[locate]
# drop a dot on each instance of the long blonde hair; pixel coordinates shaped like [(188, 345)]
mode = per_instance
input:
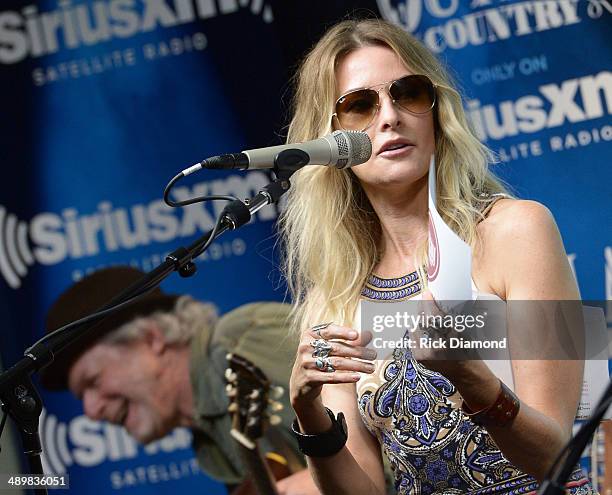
[(331, 233)]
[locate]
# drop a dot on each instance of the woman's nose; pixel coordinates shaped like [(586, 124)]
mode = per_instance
[(389, 115)]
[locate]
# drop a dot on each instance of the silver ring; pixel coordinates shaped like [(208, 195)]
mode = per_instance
[(322, 348), (323, 364), (321, 326)]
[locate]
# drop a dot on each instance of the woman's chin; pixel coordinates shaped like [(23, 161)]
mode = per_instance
[(392, 176)]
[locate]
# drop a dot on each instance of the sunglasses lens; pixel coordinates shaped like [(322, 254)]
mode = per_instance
[(356, 110), (414, 93)]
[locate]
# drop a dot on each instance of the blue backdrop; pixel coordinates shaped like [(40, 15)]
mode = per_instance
[(104, 101)]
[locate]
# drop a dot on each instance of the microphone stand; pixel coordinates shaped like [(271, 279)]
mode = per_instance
[(18, 396), (555, 482)]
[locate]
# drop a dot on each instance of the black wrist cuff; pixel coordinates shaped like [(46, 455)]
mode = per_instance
[(323, 444)]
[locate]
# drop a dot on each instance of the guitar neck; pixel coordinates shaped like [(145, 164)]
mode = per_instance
[(262, 476)]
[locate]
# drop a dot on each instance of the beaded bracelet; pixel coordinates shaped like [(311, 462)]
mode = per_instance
[(500, 413)]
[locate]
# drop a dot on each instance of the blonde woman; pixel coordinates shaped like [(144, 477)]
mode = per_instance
[(353, 234)]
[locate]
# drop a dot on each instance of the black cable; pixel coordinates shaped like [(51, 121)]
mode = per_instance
[(187, 202), (147, 289), (211, 237), (144, 290)]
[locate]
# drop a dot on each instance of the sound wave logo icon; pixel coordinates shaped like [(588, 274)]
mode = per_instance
[(82, 442), (54, 437), (15, 253)]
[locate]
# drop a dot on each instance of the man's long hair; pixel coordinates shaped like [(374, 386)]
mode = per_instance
[(178, 326)]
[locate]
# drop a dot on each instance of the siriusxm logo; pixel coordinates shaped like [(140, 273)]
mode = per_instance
[(50, 238), (490, 20), (15, 252), (88, 443), (34, 34), (571, 101)]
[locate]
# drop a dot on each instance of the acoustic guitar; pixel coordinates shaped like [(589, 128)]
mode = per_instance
[(251, 408)]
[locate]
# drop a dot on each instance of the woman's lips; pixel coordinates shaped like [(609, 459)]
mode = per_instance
[(397, 152)]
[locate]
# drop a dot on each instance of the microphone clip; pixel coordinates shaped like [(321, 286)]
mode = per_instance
[(287, 162)]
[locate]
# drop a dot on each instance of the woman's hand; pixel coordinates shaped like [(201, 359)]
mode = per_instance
[(326, 355), (432, 344), (357, 468)]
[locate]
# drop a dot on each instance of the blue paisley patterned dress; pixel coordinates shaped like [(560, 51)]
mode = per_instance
[(431, 445)]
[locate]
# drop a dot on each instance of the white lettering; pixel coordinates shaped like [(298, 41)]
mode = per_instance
[(437, 10), (485, 24), (582, 138), (157, 12), (590, 91), (531, 114), (45, 232), (126, 21), (13, 44), (85, 434), (69, 26), (533, 65), (33, 30), (93, 27), (520, 11), (528, 114), (74, 235), (564, 106), (164, 223)]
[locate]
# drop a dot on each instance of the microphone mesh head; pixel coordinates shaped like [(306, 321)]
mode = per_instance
[(355, 145)]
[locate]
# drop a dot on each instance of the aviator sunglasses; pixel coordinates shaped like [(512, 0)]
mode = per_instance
[(355, 110)]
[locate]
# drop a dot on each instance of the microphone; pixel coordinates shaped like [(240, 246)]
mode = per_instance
[(341, 149)]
